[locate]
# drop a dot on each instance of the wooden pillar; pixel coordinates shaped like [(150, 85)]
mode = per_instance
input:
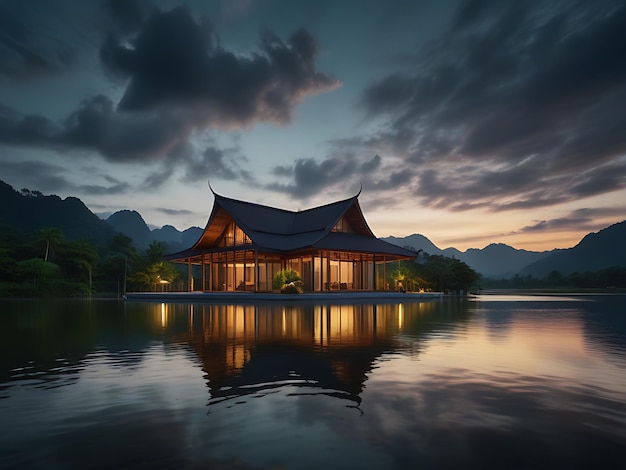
[(384, 272), (245, 254), (374, 263), (361, 273), (188, 274), (203, 279), (328, 270), (211, 272), (256, 270)]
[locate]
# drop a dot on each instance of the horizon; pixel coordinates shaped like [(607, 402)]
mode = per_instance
[(469, 122), (105, 216)]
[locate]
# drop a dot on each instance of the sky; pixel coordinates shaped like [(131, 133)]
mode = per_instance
[(470, 122)]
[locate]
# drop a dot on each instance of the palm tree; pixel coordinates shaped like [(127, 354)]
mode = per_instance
[(79, 258), (52, 236), (155, 252)]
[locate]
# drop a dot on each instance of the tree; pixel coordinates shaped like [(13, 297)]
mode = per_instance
[(38, 270), (161, 272), (155, 252), (120, 260), (78, 260), (449, 274), (8, 265), (52, 237)]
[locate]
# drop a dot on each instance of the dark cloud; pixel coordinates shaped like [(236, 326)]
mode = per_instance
[(156, 178), (311, 177), (51, 178), (225, 164), (180, 82), (18, 129), (174, 211), (523, 186), (529, 96), (96, 190), (29, 46), (128, 15), (581, 219), (97, 126), (607, 178), (176, 61), (341, 170), (371, 165), (40, 175)]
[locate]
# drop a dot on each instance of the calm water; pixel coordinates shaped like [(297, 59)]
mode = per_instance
[(496, 382)]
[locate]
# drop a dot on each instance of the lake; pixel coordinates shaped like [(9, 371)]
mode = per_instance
[(495, 381)]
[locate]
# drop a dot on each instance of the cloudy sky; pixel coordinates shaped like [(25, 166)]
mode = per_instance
[(469, 122)]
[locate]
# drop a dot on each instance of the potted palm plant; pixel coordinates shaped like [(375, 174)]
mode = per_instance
[(288, 281)]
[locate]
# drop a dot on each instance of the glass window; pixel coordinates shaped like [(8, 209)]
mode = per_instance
[(342, 226)]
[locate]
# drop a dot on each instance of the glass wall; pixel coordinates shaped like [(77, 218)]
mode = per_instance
[(243, 270)]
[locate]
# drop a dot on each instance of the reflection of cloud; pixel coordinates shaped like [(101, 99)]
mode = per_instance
[(461, 419), (121, 437)]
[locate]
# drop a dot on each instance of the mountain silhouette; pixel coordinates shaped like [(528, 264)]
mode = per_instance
[(596, 251), (131, 224), (496, 260), (30, 211)]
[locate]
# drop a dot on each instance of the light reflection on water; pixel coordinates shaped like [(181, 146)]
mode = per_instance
[(487, 382)]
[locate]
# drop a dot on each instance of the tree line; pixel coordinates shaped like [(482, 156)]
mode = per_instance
[(614, 277), (44, 263), (433, 273)]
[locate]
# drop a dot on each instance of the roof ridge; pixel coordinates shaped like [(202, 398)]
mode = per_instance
[(286, 210)]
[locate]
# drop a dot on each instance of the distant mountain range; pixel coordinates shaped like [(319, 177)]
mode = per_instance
[(599, 250), (596, 251), (496, 260), (30, 210), (131, 224)]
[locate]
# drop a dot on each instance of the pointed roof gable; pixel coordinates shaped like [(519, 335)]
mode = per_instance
[(253, 217), (280, 230)]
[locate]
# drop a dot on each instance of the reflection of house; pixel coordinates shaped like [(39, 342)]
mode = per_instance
[(254, 349), (244, 244)]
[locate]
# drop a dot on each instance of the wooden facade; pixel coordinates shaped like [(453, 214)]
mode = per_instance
[(244, 245)]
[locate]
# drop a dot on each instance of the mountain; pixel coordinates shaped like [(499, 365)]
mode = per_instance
[(496, 260), (499, 260), (191, 236), (416, 242), (174, 240), (30, 211), (596, 251), (132, 224)]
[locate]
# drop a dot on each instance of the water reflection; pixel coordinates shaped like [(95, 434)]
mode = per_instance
[(243, 349), (328, 349), (458, 383)]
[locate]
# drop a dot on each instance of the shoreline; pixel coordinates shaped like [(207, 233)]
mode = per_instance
[(250, 297)]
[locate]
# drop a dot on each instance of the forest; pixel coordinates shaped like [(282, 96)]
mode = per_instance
[(43, 263)]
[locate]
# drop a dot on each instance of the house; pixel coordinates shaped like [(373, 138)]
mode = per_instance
[(245, 244)]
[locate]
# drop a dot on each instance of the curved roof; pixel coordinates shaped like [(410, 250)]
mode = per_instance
[(280, 230)]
